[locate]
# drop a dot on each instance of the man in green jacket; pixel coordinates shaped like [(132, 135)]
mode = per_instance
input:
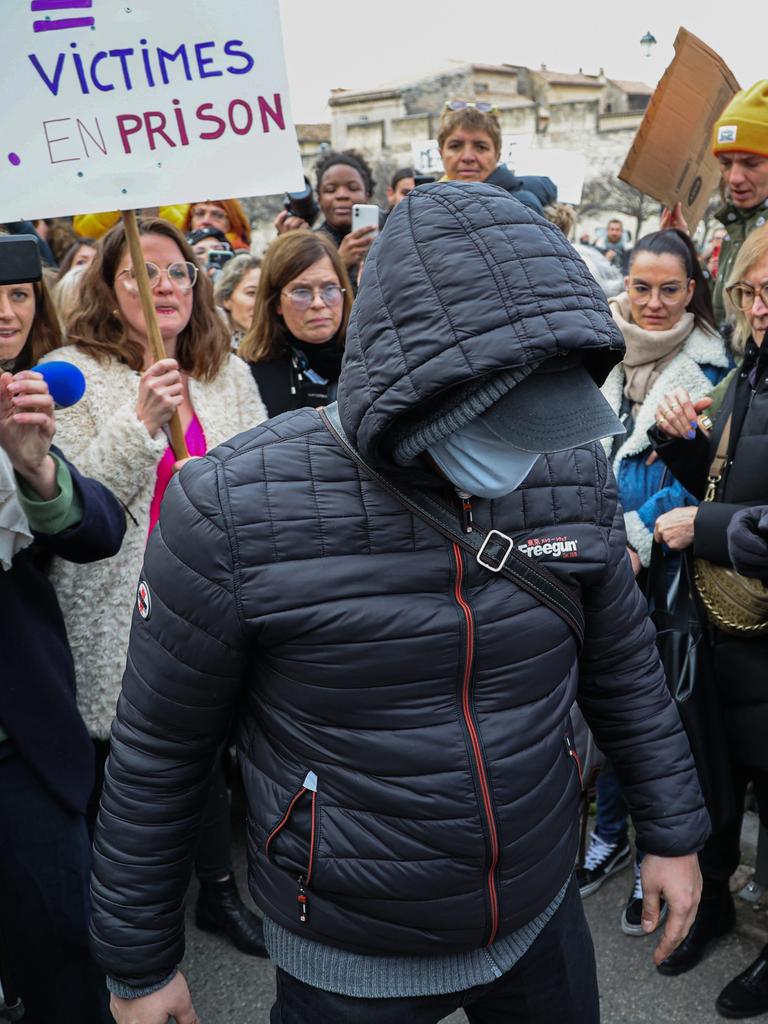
[(740, 143)]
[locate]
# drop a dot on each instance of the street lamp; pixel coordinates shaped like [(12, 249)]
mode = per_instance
[(647, 44)]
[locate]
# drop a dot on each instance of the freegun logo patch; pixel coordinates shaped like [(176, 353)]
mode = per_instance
[(552, 547)]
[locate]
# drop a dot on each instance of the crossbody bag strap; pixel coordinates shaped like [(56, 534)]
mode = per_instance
[(495, 551), (719, 462)]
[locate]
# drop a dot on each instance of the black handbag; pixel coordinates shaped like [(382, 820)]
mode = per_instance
[(684, 647)]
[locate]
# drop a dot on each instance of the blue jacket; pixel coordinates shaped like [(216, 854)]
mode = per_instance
[(643, 491), (37, 689)]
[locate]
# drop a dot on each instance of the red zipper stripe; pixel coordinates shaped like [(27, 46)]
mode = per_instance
[(311, 842), (475, 739), (283, 820)]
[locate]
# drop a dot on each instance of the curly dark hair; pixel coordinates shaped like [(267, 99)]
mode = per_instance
[(351, 158)]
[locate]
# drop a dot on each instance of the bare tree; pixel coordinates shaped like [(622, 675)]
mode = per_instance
[(610, 195)]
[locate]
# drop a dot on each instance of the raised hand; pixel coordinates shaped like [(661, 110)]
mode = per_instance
[(286, 221), (354, 246), (677, 415), (674, 219), (27, 427), (161, 392)]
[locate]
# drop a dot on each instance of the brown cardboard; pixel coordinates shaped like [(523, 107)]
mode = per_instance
[(671, 158)]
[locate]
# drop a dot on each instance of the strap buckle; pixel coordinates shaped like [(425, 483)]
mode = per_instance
[(498, 542)]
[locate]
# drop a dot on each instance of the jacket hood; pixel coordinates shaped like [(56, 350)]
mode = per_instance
[(531, 190), (463, 282)]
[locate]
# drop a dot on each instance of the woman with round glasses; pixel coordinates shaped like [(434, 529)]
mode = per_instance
[(691, 446), (296, 340), (118, 435), (470, 147), (666, 318)]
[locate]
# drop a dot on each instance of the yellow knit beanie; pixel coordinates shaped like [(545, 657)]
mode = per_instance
[(743, 125)]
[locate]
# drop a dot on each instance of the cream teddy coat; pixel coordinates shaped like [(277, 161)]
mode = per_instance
[(104, 438)]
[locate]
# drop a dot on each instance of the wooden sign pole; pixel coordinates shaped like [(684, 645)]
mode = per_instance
[(131, 223)]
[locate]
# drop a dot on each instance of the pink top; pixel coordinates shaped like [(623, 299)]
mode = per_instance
[(196, 445)]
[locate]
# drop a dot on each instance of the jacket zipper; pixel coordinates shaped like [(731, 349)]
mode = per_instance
[(475, 740), (310, 786), (572, 753)]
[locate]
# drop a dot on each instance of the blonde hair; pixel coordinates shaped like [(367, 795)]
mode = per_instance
[(562, 216), (754, 248), (66, 294)]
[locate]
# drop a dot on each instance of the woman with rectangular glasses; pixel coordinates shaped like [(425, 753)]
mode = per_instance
[(665, 316), (296, 340)]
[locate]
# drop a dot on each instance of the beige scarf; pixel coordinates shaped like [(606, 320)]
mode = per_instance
[(648, 352)]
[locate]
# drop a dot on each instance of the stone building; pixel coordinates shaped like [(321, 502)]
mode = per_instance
[(591, 114)]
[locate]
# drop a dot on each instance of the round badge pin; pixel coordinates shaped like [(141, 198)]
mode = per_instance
[(143, 600)]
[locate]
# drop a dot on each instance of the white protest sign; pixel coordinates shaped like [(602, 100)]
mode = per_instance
[(123, 104), (564, 166)]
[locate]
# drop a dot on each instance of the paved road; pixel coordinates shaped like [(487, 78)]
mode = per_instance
[(229, 988)]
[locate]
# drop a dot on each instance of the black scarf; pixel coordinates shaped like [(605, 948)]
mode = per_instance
[(324, 358)]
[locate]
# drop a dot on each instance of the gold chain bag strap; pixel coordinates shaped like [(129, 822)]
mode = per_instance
[(734, 603)]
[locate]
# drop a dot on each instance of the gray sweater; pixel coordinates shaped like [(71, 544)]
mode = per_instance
[(384, 977)]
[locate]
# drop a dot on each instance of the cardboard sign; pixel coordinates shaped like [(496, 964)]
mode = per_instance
[(124, 104), (671, 157)]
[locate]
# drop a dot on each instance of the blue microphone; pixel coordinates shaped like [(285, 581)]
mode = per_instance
[(65, 381)]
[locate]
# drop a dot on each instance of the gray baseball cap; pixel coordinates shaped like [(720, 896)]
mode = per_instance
[(555, 408)]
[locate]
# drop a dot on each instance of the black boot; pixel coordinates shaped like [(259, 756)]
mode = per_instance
[(715, 917), (747, 994), (220, 909)]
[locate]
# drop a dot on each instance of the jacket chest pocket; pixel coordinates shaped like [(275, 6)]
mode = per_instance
[(291, 843)]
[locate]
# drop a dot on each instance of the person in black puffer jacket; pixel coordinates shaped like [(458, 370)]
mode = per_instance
[(401, 711)]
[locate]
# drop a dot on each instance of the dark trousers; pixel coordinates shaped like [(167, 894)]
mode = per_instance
[(45, 861), (554, 983), (721, 855), (213, 857)]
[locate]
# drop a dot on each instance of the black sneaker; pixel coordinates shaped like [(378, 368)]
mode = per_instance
[(602, 860), (632, 918)]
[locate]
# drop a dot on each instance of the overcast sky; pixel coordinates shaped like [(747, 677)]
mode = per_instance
[(361, 44)]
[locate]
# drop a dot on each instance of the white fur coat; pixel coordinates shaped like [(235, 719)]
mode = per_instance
[(105, 440), (701, 348)]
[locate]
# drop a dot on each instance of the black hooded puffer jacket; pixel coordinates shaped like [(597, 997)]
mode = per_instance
[(401, 711)]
